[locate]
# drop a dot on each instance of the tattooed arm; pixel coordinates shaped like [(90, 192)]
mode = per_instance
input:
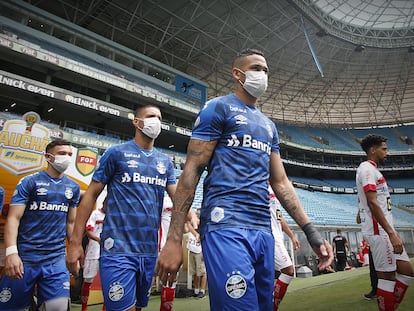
[(169, 261), (286, 194)]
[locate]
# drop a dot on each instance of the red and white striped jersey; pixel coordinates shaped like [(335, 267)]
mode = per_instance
[(369, 178)]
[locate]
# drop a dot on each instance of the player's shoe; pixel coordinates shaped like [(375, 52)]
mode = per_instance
[(201, 295), (370, 295)]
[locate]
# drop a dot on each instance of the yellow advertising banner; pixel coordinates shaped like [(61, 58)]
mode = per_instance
[(22, 147)]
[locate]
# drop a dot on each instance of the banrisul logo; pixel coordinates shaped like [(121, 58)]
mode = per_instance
[(86, 160), (22, 144), (249, 142)]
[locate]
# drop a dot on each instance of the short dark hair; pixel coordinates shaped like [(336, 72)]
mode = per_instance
[(57, 142), (372, 140), (141, 108), (246, 52)]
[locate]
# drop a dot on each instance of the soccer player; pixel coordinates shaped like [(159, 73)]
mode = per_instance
[(240, 148), (136, 175), (168, 290), (283, 264), (41, 216), (363, 261), (391, 261), (340, 246), (93, 231), (196, 263), (365, 252)]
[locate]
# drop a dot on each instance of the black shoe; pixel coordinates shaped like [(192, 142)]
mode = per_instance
[(370, 295), (201, 295)]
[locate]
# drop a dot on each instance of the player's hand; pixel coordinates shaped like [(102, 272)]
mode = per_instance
[(197, 237), (193, 219), (325, 254), (75, 258), (14, 267), (296, 244), (169, 262), (396, 243)]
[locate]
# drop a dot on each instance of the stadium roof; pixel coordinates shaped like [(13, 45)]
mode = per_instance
[(364, 48)]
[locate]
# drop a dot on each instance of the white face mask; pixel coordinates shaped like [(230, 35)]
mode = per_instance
[(255, 83), (152, 127), (61, 162)]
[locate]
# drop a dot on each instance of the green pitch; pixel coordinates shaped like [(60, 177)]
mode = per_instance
[(340, 291)]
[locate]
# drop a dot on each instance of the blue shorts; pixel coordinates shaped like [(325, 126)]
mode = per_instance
[(126, 280), (240, 269), (52, 282)]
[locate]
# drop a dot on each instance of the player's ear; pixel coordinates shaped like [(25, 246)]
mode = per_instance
[(135, 122), (237, 74)]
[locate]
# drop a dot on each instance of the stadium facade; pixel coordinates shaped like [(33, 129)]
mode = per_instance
[(85, 88)]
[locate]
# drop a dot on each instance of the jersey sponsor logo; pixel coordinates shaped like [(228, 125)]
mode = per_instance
[(5, 294), (132, 155), (41, 191), (238, 109), (138, 178), (249, 142), (68, 193), (236, 285), (116, 291), (240, 119), (44, 206), (217, 214), (125, 178), (233, 142), (42, 184)]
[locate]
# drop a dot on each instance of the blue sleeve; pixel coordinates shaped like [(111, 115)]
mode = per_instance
[(76, 197), (275, 141), (210, 120), (23, 191), (171, 174), (106, 167)]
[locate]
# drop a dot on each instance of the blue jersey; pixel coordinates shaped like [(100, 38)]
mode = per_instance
[(136, 180), (42, 228), (235, 189)]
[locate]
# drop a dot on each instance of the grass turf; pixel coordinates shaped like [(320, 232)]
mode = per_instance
[(340, 291)]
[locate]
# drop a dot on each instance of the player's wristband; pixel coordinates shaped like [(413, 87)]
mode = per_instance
[(11, 250), (314, 237)]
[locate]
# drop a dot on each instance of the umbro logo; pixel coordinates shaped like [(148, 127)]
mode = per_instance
[(240, 119)]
